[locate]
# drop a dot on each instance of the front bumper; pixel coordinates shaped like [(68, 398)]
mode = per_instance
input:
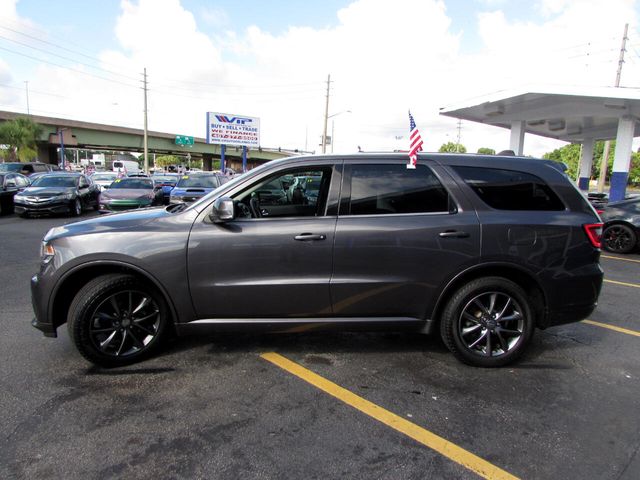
[(123, 205), (39, 301), (56, 206)]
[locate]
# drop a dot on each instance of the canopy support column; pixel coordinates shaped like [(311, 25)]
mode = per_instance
[(516, 142), (622, 159), (586, 161)]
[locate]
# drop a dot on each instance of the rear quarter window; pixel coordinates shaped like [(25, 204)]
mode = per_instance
[(510, 189)]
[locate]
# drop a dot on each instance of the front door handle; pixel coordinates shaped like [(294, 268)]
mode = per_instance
[(453, 234), (307, 237)]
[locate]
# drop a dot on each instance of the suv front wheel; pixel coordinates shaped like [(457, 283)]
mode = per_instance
[(488, 322), (117, 319)]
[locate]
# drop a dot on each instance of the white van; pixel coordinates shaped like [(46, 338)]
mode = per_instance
[(126, 166)]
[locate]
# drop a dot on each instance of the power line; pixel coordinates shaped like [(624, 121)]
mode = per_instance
[(33, 91), (68, 68), (67, 58)]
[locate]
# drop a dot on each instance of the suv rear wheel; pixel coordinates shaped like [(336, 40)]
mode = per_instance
[(488, 322), (116, 320)]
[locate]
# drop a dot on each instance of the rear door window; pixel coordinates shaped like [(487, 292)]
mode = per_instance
[(382, 189), (510, 189)]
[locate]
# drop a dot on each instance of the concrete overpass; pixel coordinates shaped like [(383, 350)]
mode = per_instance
[(96, 136)]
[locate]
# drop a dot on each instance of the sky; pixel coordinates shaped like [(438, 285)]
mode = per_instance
[(84, 60)]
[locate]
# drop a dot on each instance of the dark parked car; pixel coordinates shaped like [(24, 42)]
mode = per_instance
[(129, 193), (57, 193), (27, 168), (621, 225), (10, 185), (193, 186), (166, 181), (482, 250)]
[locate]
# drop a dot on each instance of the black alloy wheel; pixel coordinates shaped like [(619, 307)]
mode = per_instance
[(619, 238), (488, 322), (76, 207), (117, 320)]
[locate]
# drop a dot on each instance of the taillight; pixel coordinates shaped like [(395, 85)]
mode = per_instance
[(599, 212), (594, 232)]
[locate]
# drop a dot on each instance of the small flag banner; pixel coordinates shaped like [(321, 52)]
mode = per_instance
[(415, 142)]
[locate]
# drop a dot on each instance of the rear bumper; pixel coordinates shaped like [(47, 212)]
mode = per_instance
[(573, 299)]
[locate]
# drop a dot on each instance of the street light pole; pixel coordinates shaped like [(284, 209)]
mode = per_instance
[(146, 135), (26, 86), (332, 127)]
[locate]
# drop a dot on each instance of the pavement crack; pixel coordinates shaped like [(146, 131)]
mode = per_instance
[(631, 459)]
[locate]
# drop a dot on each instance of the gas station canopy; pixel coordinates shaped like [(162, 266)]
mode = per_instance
[(569, 114), (573, 114)]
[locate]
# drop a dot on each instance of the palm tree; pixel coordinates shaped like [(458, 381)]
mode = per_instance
[(19, 137)]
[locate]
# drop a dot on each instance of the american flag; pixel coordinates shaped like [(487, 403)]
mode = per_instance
[(415, 142)]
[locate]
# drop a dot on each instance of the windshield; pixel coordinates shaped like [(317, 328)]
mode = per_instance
[(103, 176), (202, 181), (10, 167), (55, 181), (133, 182)]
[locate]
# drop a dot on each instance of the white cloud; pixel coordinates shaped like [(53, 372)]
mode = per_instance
[(384, 57)]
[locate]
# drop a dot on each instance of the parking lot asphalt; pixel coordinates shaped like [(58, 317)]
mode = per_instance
[(355, 405)]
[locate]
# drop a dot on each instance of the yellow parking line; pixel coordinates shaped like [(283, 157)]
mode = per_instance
[(618, 258), (622, 283), (425, 437), (613, 327)]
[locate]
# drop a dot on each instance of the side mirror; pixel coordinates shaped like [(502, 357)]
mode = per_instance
[(223, 210), (10, 184)]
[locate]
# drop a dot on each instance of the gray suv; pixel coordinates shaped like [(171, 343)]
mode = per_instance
[(480, 249)]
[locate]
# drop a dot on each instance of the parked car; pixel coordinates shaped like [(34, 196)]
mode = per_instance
[(480, 249), (621, 225), (27, 168), (10, 185), (166, 181), (62, 192), (129, 193), (193, 186), (104, 179)]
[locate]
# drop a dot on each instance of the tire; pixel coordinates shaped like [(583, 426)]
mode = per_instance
[(76, 208), (488, 322), (115, 334), (619, 238)]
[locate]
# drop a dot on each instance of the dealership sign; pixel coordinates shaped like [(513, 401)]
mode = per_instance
[(227, 129)]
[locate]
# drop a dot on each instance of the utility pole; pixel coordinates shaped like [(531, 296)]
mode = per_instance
[(326, 117), (146, 139), (26, 86), (459, 134), (607, 145)]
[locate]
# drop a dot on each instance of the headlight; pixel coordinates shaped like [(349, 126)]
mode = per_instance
[(47, 252), (65, 196)]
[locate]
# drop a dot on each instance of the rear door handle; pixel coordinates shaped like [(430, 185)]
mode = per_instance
[(453, 234), (306, 237)]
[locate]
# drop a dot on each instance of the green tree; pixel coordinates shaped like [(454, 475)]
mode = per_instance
[(570, 155), (166, 160), (486, 151), (451, 147), (20, 137)]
